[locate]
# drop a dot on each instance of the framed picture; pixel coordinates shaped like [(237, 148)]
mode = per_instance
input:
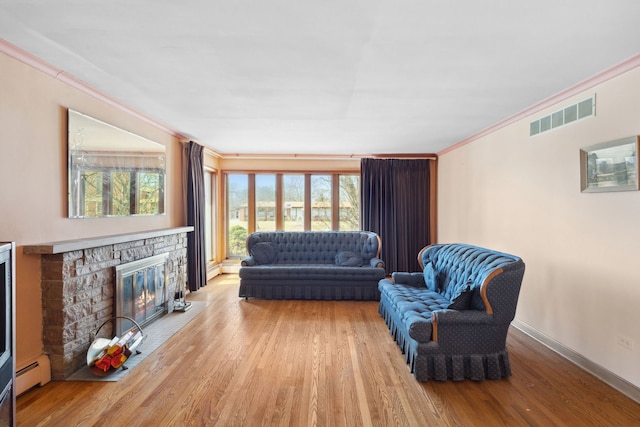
[(610, 166)]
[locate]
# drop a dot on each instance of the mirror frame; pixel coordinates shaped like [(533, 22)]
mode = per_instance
[(112, 172)]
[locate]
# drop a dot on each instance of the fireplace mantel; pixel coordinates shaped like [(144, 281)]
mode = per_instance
[(95, 242)]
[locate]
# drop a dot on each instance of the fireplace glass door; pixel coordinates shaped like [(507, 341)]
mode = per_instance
[(141, 292)]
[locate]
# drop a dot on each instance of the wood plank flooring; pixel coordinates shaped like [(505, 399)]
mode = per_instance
[(318, 363)]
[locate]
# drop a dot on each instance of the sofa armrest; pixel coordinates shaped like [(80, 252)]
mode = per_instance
[(412, 279), (249, 261), (462, 317), (376, 262), (458, 331)]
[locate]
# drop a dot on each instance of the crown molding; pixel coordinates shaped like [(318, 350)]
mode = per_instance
[(38, 64), (589, 83), (264, 156)]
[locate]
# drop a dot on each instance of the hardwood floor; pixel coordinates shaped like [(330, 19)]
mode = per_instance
[(318, 363)]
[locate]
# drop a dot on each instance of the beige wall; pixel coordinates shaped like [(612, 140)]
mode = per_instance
[(521, 194), (33, 173)]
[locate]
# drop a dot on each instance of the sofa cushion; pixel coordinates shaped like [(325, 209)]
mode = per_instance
[(263, 253), (348, 259), (411, 308), (463, 300), (430, 277)]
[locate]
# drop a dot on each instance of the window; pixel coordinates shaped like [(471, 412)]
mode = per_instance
[(237, 214), (349, 201), (320, 202), (291, 202), (210, 180), (265, 210)]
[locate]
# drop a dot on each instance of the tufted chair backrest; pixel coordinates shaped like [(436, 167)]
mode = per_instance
[(457, 265), (316, 247)]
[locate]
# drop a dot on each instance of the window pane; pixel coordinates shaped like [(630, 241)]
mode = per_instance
[(149, 193), (237, 211), (120, 193), (321, 202), (265, 202), (293, 199), (92, 189), (349, 203)]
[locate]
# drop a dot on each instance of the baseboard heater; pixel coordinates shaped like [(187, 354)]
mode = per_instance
[(35, 373)]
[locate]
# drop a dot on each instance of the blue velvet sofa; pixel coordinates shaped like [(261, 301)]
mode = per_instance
[(451, 319), (327, 265)]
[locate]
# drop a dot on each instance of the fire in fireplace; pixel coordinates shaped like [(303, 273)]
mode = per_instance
[(141, 293)]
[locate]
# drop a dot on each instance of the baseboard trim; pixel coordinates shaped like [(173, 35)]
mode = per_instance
[(231, 267), (213, 271), (35, 372), (620, 384)]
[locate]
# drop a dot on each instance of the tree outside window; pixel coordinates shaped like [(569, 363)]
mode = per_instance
[(320, 202), (237, 214), (293, 202), (265, 202), (349, 196)]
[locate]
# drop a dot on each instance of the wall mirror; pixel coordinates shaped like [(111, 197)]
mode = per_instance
[(112, 172)]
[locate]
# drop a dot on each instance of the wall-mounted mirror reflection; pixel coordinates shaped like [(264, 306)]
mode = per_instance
[(112, 172)]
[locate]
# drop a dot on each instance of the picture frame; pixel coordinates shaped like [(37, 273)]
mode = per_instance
[(610, 166)]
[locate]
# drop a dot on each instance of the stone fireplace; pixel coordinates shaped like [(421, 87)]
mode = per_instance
[(79, 280)]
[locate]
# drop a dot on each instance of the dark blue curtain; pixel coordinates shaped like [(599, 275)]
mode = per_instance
[(196, 256), (394, 204)]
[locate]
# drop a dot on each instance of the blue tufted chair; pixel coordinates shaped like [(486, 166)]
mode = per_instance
[(451, 319)]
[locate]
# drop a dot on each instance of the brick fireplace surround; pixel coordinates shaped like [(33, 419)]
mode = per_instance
[(78, 286)]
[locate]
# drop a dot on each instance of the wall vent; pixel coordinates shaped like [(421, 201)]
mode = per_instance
[(572, 113)]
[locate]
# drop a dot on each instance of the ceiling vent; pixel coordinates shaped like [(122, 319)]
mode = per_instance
[(569, 114)]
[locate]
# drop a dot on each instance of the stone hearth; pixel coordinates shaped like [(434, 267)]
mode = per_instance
[(78, 287)]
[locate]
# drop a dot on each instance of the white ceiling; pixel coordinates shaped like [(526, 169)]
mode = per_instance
[(326, 76)]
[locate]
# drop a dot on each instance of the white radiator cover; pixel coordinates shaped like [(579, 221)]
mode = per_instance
[(36, 372)]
